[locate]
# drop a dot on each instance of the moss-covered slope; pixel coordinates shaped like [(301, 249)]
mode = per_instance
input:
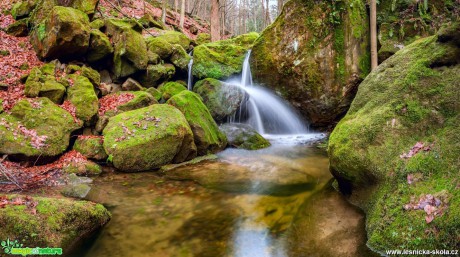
[(410, 101)]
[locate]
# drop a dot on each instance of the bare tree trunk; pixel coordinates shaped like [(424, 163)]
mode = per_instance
[(176, 4), (182, 14), (244, 17), (373, 21), (280, 6), (163, 12), (267, 13), (215, 20)]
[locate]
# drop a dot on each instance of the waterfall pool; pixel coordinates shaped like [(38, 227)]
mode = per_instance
[(274, 202)]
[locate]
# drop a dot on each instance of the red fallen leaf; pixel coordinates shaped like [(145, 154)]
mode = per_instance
[(419, 146), (429, 218), (111, 102), (429, 209), (410, 178), (17, 201)]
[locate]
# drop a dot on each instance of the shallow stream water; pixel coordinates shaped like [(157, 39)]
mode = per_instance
[(274, 202)]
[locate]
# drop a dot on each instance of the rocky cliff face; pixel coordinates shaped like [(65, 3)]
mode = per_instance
[(315, 54)]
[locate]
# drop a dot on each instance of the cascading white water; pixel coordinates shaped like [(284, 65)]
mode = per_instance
[(190, 76), (265, 111)]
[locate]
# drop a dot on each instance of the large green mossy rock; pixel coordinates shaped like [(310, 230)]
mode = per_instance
[(99, 46), (208, 137), (315, 55), (130, 49), (244, 136), (410, 100), (19, 28), (148, 138), (36, 127), (221, 99), (221, 59), (175, 37), (159, 46), (170, 89), (61, 223), (43, 8), (82, 95), (63, 35)]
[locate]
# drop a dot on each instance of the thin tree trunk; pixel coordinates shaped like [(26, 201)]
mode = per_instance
[(176, 4), (163, 12), (373, 24), (267, 13), (215, 20), (182, 14), (280, 6)]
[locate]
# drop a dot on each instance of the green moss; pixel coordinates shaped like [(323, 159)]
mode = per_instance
[(170, 89), (159, 46), (57, 223), (208, 138), (155, 74), (141, 99), (82, 95), (399, 104), (203, 38), (91, 147), (99, 46), (221, 59), (148, 138), (180, 58), (174, 37), (97, 24), (130, 54)]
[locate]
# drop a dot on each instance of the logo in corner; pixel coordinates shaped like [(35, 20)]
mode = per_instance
[(13, 247), (8, 245)]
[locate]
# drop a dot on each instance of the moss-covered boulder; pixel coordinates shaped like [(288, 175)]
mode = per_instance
[(91, 147), (82, 168), (203, 38), (44, 8), (53, 222), (175, 37), (154, 92), (244, 136), (148, 21), (222, 99), (155, 74), (159, 46), (180, 58), (36, 127), (315, 54), (99, 46), (130, 49), (82, 95), (208, 138), (221, 59), (148, 138), (39, 83), (170, 89), (63, 35), (399, 144)]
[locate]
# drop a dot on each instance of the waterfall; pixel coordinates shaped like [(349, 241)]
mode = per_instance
[(264, 110), (190, 76)]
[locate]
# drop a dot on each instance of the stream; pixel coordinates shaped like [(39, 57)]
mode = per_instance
[(274, 202)]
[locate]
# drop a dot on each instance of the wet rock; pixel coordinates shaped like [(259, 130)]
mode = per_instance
[(221, 59), (22, 9), (222, 99), (147, 138), (175, 37), (160, 47), (77, 191), (319, 73), (64, 35), (207, 136), (243, 136), (82, 168)]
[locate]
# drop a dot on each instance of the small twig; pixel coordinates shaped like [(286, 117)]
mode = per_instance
[(6, 174)]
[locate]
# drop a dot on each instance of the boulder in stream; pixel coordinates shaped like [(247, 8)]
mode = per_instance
[(243, 136), (147, 138)]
